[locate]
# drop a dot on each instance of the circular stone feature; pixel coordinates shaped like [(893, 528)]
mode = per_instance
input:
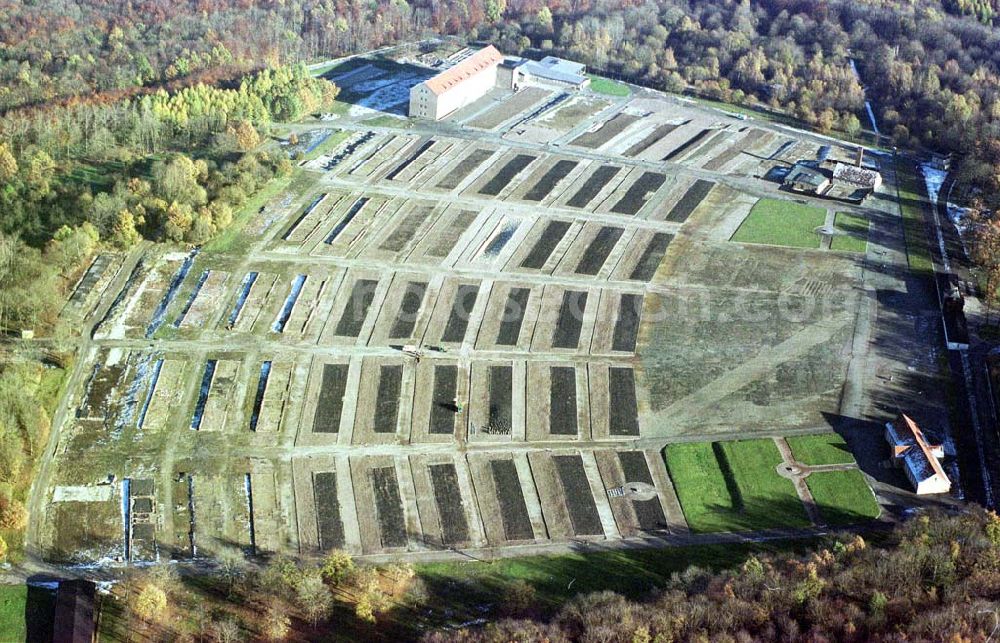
[(789, 471), (640, 491)]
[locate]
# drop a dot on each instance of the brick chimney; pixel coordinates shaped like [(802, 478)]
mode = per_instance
[(861, 155)]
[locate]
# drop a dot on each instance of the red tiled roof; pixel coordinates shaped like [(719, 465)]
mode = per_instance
[(477, 62), (908, 425)]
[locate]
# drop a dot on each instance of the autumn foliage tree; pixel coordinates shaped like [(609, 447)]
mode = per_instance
[(246, 135), (150, 603), (13, 515), (934, 578), (985, 248)]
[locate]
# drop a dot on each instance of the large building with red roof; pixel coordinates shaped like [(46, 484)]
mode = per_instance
[(457, 86)]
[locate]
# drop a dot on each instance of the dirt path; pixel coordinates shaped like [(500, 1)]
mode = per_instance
[(794, 472)]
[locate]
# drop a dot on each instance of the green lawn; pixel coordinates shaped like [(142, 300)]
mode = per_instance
[(911, 203), (97, 176), (768, 499), (824, 448), (601, 85), (855, 229), (782, 223), (13, 598), (730, 486), (341, 66), (335, 138), (384, 120), (843, 497), (701, 486)]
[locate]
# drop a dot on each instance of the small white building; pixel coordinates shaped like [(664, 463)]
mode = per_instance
[(555, 72), (457, 86), (918, 459)]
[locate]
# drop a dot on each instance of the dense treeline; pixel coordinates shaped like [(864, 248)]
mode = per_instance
[(933, 78), (931, 68), (937, 579), (278, 600), (141, 151), (62, 48), (933, 74), (984, 11), (172, 167)]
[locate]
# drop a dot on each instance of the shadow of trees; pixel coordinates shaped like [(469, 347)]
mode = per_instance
[(351, 91)]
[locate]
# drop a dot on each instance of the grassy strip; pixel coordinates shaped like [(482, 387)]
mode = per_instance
[(608, 87), (556, 578), (384, 120), (451, 592), (855, 229), (701, 486), (767, 499), (325, 69), (760, 112), (732, 486), (335, 138), (13, 599), (843, 497), (824, 448), (778, 222), (342, 66), (911, 203), (233, 239)]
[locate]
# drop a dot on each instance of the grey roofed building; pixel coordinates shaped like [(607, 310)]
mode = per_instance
[(806, 178), (549, 70), (832, 178), (74, 620)]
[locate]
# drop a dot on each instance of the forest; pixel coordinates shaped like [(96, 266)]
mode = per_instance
[(931, 68), (170, 166), (932, 78)]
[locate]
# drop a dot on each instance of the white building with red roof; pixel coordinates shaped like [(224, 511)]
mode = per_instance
[(919, 459), (457, 86)]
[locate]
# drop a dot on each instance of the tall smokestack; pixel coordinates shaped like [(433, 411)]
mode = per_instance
[(861, 155)]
